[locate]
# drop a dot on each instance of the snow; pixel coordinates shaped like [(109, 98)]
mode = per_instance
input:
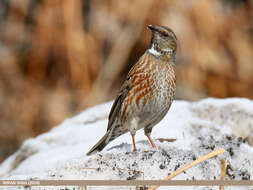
[(198, 127)]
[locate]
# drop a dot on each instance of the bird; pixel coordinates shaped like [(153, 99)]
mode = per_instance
[(147, 92)]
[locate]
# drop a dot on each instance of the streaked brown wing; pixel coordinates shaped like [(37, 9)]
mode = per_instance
[(117, 103), (122, 95)]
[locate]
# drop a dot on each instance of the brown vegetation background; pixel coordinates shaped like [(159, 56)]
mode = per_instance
[(58, 57)]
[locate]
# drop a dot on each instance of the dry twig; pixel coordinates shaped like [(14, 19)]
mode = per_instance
[(166, 139), (223, 171), (207, 156)]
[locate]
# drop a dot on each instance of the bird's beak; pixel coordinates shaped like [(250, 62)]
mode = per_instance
[(152, 28)]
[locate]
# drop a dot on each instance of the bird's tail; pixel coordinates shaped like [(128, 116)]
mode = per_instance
[(100, 145)]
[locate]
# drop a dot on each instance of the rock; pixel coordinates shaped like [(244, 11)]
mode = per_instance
[(198, 127)]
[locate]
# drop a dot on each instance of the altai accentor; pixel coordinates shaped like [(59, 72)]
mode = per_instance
[(148, 91)]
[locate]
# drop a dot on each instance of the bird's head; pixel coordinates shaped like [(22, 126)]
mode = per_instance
[(163, 42)]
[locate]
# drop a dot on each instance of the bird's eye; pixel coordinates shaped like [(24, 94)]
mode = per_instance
[(165, 35)]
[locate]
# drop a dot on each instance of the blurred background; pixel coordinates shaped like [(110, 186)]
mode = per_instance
[(58, 57)]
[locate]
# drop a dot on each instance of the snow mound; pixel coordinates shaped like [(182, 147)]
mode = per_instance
[(198, 127)]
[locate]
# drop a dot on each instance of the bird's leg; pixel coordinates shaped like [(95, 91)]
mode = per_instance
[(134, 145), (151, 141), (133, 129), (147, 132)]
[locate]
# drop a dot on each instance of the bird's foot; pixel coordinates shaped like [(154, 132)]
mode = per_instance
[(154, 146)]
